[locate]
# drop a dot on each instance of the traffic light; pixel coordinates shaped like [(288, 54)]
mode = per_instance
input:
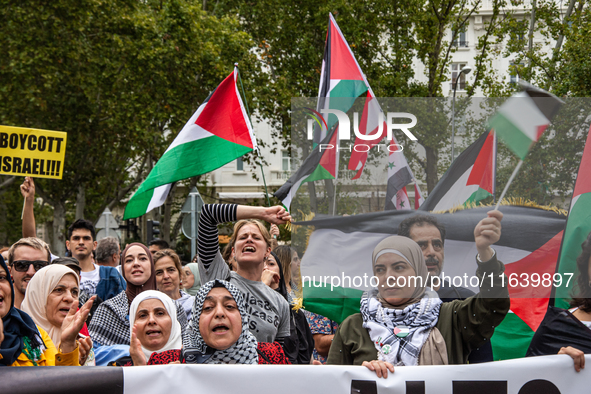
[(153, 230)]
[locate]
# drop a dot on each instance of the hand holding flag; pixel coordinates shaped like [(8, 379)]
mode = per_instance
[(522, 120)]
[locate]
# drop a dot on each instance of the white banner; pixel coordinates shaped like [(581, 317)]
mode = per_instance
[(536, 375)]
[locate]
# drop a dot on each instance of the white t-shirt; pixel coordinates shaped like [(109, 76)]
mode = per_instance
[(89, 280)]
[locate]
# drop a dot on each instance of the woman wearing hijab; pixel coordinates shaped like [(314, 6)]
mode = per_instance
[(300, 344), (48, 300), (110, 324), (219, 332), (192, 281), (153, 329), (404, 323), (26, 344)]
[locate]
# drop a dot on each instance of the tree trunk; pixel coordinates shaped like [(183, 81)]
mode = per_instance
[(165, 226), (432, 157), (58, 243), (330, 194), (80, 202)]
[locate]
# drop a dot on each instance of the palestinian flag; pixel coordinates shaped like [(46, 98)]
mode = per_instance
[(469, 179), (341, 248), (320, 164), (419, 200), (340, 78), (524, 117), (399, 175), (578, 225), (368, 125), (341, 82), (217, 133)]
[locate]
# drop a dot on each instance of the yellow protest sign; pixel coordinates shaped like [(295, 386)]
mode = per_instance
[(32, 152)]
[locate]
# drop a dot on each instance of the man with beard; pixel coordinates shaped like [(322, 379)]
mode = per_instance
[(430, 235), (25, 258), (105, 282)]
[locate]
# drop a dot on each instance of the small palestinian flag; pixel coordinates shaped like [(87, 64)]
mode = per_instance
[(341, 78), (341, 82), (217, 133), (399, 175), (578, 226), (419, 200), (524, 117), (469, 179)]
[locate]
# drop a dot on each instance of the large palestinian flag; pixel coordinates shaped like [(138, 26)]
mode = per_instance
[(524, 117), (217, 133), (469, 179), (341, 248), (578, 225)]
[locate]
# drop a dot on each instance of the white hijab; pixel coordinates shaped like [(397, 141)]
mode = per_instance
[(40, 287), (175, 339)]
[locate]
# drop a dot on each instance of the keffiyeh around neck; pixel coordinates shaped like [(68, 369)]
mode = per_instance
[(38, 290), (244, 351), (383, 324), (174, 340)]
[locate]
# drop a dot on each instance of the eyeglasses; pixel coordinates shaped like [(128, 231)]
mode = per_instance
[(23, 265)]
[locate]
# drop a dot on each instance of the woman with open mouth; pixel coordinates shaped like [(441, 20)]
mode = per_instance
[(51, 301), (110, 324), (251, 244), (403, 322), (153, 331), (219, 332)]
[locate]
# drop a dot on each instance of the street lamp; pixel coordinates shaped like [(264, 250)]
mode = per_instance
[(466, 70)]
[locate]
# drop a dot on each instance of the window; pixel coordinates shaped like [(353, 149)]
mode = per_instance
[(285, 161), (460, 39), (239, 164), (514, 71), (455, 70), (285, 165)]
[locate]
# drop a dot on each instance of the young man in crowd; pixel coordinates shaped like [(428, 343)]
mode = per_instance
[(25, 257), (157, 244), (105, 282)]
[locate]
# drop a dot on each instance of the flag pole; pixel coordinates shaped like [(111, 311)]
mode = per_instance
[(515, 171), (257, 150)]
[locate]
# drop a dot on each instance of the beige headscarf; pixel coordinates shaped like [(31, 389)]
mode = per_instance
[(433, 351), (39, 288), (411, 252)]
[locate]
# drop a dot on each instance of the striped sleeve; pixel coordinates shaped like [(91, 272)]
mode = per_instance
[(207, 241)]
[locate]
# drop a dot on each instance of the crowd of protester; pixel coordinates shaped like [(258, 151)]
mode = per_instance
[(143, 306)]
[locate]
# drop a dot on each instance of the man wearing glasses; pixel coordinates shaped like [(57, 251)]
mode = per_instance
[(25, 258)]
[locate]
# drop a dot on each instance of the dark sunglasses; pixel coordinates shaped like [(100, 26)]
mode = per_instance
[(23, 265)]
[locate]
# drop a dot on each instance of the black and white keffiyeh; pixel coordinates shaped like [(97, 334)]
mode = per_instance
[(244, 351), (382, 323)]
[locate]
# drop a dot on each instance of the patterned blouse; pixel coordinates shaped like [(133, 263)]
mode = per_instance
[(320, 325)]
